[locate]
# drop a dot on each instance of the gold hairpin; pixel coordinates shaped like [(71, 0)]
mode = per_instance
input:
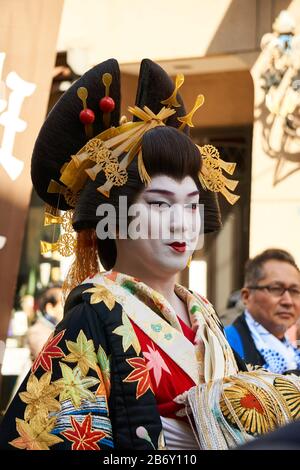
[(172, 102), (108, 147), (102, 152), (187, 120), (70, 196), (86, 116), (106, 104), (66, 242), (211, 176)]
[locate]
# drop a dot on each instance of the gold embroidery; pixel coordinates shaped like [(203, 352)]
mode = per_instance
[(82, 352), (40, 396), (101, 294), (35, 435)]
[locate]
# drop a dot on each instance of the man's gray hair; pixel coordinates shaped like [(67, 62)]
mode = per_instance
[(254, 271)]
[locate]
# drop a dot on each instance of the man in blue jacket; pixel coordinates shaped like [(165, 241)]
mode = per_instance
[(271, 295)]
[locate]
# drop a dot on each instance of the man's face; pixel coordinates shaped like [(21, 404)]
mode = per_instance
[(275, 313)]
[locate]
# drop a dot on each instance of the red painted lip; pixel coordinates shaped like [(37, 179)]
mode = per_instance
[(180, 247)]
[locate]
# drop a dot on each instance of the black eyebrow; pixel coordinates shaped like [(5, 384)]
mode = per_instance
[(169, 193)]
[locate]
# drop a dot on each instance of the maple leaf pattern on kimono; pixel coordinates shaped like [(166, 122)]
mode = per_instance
[(82, 352), (101, 294), (155, 362), (104, 363), (40, 396), (36, 434), (140, 374), (50, 351), (129, 337), (74, 386), (82, 435)]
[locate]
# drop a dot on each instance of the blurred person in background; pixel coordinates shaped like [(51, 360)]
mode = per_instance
[(27, 306), (50, 313), (234, 308), (271, 295)]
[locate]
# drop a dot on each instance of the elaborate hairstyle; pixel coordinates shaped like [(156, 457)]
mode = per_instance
[(72, 171)]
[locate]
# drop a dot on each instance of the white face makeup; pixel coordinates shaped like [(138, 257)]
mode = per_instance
[(171, 219)]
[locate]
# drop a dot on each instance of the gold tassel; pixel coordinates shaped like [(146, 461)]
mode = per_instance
[(85, 263), (145, 178)]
